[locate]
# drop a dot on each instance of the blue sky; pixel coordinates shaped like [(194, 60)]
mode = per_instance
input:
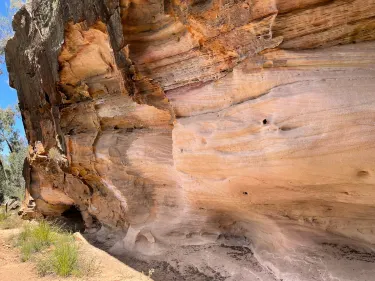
[(8, 96)]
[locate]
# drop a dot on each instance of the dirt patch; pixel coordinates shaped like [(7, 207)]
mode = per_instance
[(109, 269)]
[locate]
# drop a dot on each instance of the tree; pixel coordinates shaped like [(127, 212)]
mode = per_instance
[(9, 136), (14, 150), (12, 146), (6, 31)]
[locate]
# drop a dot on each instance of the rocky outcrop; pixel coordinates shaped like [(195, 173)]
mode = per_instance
[(225, 140)]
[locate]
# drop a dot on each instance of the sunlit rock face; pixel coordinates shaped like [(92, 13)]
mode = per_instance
[(217, 140)]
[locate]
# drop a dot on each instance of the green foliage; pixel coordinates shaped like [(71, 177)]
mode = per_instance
[(16, 186), (9, 137), (54, 250), (6, 30), (3, 215), (33, 239), (11, 180), (11, 164), (43, 234), (65, 259), (8, 221)]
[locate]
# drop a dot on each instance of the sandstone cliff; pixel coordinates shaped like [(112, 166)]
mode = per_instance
[(230, 140)]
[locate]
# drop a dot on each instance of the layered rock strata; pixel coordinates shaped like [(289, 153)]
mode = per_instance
[(223, 140)]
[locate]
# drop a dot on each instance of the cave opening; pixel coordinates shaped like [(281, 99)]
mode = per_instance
[(72, 219)]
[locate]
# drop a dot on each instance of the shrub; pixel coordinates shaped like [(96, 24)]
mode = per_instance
[(44, 267), (63, 260), (42, 233), (3, 214), (35, 238), (58, 252), (55, 155), (26, 250), (9, 221)]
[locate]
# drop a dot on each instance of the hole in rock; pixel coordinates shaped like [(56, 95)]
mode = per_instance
[(141, 239), (363, 174), (286, 128), (245, 193), (72, 219), (167, 6), (265, 121), (46, 97), (116, 127)]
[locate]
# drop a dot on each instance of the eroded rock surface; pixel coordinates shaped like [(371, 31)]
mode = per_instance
[(214, 140)]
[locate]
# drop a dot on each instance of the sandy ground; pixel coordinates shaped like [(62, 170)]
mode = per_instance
[(109, 268)]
